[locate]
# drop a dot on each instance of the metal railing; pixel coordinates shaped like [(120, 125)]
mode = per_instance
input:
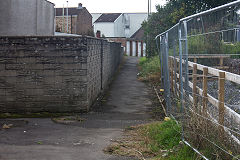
[(205, 111)]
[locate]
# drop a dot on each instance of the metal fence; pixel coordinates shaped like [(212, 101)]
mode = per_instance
[(200, 69)]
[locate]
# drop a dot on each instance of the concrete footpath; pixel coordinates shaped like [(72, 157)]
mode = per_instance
[(127, 104)]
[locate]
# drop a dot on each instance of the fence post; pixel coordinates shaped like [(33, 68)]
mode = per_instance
[(171, 69), (221, 93), (205, 73), (195, 60), (175, 67), (167, 91), (194, 94), (185, 57), (221, 61), (179, 74)]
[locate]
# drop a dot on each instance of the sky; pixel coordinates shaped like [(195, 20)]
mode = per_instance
[(111, 6)]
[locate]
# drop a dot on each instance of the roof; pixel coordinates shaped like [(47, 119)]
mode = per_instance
[(108, 17), (139, 34)]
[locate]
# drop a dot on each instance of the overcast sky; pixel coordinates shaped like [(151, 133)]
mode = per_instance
[(111, 6)]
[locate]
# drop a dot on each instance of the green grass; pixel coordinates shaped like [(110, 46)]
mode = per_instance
[(185, 153), (167, 136), (149, 65), (164, 135), (150, 68)]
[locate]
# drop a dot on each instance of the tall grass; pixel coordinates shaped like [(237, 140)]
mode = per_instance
[(150, 69), (166, 136)]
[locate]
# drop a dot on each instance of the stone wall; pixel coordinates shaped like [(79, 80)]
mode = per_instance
[(54, 74)]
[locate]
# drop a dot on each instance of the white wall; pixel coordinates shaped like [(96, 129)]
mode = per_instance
[(128, 48), (139, 49), (26, 18), (134, 48), (119, 27), (106, 28), (144, 49), (95, 16), (136, 19)]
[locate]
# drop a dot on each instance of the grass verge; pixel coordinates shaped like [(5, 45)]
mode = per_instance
[(153, 141), (149, 69)]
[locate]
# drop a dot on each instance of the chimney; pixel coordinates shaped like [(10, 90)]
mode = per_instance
[(98, 34), (80, 6)]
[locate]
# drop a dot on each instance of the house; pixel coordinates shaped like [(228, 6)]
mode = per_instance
[(118, 24), (125, 28), (74, 20), (26, 18)]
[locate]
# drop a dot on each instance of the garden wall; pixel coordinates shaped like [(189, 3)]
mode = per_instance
[(54, 74)]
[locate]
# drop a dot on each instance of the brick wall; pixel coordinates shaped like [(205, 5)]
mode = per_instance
[(72, 24), (54, 74)]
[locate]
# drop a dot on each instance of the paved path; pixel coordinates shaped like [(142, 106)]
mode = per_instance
[(42, 139)]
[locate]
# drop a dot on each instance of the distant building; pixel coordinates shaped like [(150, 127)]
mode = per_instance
[(118, 24), (138, 35), (78, 18), (125, 28), (26, 18)]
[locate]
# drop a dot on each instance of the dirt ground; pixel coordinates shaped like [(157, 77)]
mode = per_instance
[(128, 103)]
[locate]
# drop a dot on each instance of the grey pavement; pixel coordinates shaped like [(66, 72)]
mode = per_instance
[(128, 104)]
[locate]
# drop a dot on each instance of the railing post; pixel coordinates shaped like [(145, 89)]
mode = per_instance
[(204, 101), (167, 91), (221, 61), (179, 75), (171, 69), (221, 93), (194, 90), (185, 57), (175, 67), (195, 60), (161, 58)]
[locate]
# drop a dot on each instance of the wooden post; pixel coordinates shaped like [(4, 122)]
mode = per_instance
[(171, 69), (221, 61), (195, 60), (131, 48), (194, 90), (136, 48), (205, 73), (141, 48), (239, 69), (221, 93)]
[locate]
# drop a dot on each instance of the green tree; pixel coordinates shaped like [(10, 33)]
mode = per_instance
[(170, 14)]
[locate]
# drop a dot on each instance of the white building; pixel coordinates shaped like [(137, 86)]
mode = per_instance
[(118, 24)]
